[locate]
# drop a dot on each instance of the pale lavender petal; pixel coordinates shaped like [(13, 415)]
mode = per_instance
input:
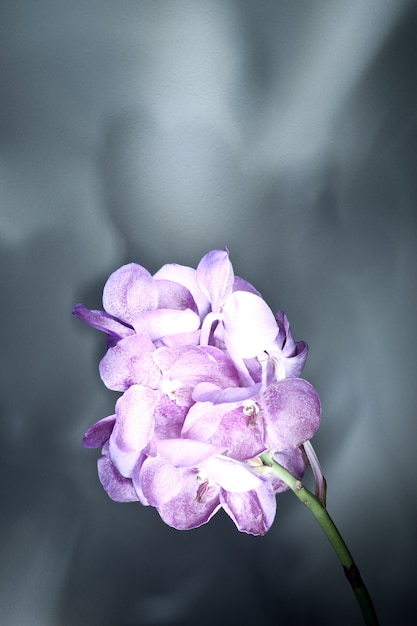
[(97, 435), (128, 292), (134, 427), (118, 487), (159, 481), (187, 510), (253, 511), (172, 295), (291, 411), (102, 321), (163, 322), (186, 276), (249, 323), (231, 475), (130, 362), (215, 277), (186, 452)]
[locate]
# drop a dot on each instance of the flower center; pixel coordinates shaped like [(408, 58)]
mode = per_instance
[(251, 410), (170, 388)]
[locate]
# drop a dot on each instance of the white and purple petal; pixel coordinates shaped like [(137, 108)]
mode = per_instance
[(215, 277), (249, 323), (118, 487), (253, 511)]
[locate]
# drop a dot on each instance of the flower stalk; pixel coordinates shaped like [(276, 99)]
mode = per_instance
[(329, 528)]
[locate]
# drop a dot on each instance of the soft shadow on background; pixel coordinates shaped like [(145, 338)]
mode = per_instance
[(154, 131)]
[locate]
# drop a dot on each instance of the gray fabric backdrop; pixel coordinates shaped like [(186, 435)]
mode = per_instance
[(152, 132)]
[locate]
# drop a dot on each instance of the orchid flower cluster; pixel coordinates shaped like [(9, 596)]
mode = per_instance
[(210, 383)]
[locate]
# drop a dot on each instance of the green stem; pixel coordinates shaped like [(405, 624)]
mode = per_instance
[(320, 513)]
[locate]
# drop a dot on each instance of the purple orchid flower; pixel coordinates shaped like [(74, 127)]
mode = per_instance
[(210, 381)]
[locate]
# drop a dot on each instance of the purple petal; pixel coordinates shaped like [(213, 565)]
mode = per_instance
[(117, 486), (249, 323), (134, 427), (97, 435), (291, 411), (186, 276), (239, 284), (253, 511), (159, 481), (215, 277), (172, 295), (169, 418), (130, 362), (163, 322), (187, 510), (102, 321), (225, 426), (128, 292)]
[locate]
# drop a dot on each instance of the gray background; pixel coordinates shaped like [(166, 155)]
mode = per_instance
[(153, 132)]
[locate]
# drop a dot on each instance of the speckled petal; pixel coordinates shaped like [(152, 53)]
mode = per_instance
[(128, 292), (186, 510), (130, 362), (253, 511), (290, 410)]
